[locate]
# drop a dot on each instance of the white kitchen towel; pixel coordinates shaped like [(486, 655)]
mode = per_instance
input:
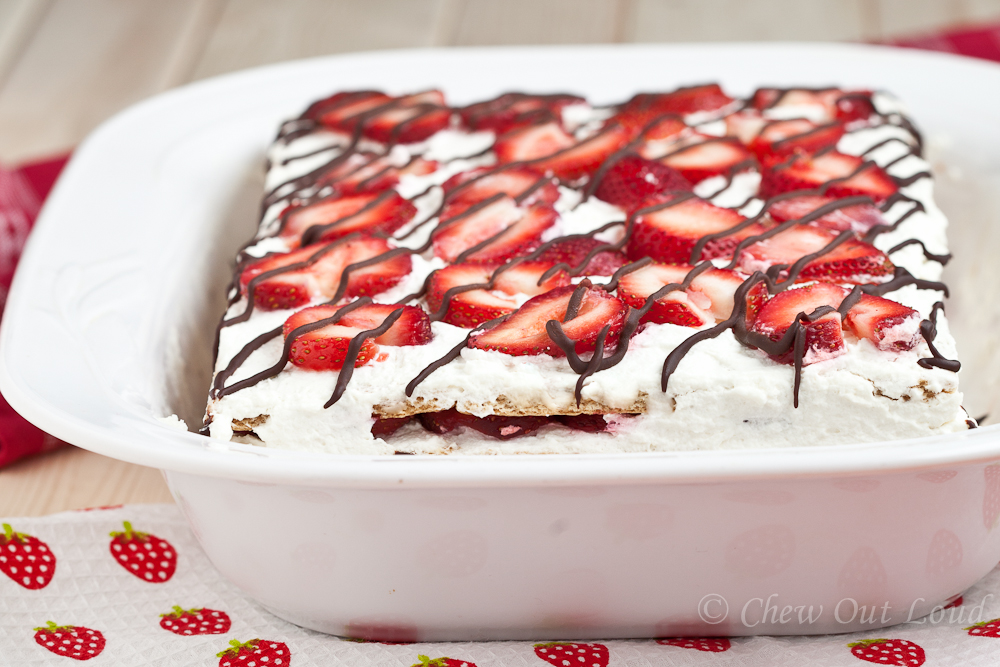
[(72, 591)]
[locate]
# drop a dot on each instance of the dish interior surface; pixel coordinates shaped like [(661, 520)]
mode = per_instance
[(126, 271)]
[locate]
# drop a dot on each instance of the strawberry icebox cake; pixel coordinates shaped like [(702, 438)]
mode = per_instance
[(535, 274)]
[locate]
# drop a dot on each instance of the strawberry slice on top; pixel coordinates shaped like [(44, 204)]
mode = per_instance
[(367, 172), (295, 278), (573, 251), (342, 111), (850, 175), (669, 234), (859, 218), (532, 142), (471, 308), (492, 231), (514, 110), (407, 124), (334, 216), (549, 148), (632, 179), (891, 326), (325, 348), (823, 337), (682, 101), (705, 157), (709, 297), (852, 261), (524, 184), (784, 137), (827, 103), (524, 332)]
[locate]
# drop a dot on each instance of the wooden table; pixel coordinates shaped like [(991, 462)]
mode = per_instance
[(67, 65)]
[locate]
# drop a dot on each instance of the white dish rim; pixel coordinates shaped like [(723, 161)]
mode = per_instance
[(146, 442)]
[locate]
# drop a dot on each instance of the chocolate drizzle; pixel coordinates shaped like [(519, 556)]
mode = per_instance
[(928, 329), (317, 184)]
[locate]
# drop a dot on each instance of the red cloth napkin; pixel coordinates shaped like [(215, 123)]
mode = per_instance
[(978, 42), (22, 192)]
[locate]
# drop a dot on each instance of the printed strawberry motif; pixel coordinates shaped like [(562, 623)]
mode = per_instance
[(26, 559), (888, 652), (425, 661), (710, 644), (188, 622), (255, 653), (945, 552), (563, 654), (985, 629), (75, 642), (991, 497), (148, 557)]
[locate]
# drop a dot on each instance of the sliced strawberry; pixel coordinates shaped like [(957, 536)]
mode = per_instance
[(341, 112), (852, 261), (682, 101), (677, 307), (632, 179), (495, 426), (325, 348), (808, 172), (846, 106), (586, 157), (532, 142), (367, 172), (859, 218), (524, 332), (407, 124), (708, 156), (824, 337), (855, 105), (756, 297), (386, 426), (514, 110), (785, 137), (708, 298), (745, 125), (334, 217), (479, 184), (464, 231), (318, 270), (574, 251), (890, 325), (472, 308), (588, 423), (669, 234), (666, 127)]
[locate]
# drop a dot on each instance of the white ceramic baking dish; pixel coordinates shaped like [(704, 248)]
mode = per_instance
[(109, 326)]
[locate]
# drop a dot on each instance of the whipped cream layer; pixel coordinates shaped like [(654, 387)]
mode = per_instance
[(722, 394)]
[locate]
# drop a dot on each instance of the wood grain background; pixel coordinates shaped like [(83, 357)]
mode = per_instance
[(67, 65)]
